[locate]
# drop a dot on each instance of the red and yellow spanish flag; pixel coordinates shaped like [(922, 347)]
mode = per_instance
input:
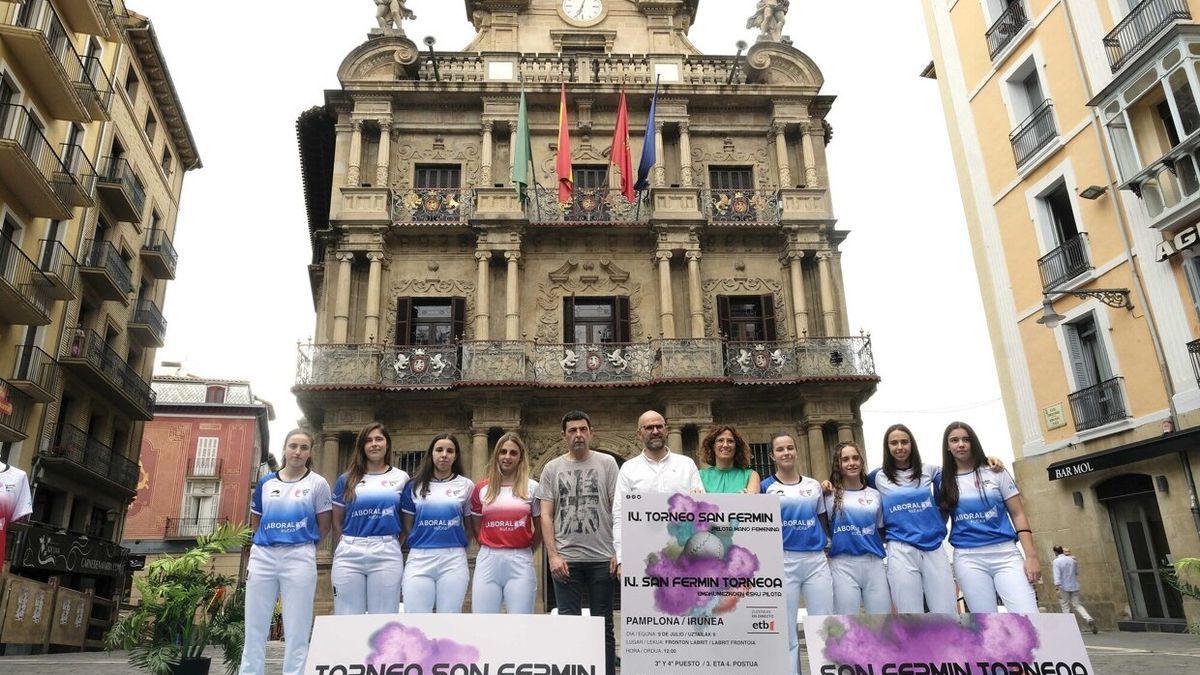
[(566, 182), (621, 158)]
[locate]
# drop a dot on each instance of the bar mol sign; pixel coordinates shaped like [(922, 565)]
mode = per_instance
[(1183, 240), (1072, 470)]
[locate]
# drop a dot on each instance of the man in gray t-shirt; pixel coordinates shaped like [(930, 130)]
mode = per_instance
[(575, 492)]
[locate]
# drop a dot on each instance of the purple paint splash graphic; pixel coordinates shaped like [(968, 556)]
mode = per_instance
[(695, 551), (397, 643), (930, 638)]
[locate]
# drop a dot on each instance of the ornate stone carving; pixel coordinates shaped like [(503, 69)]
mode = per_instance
[(704, 153), (565, 281), (768, 18), (714, 287), (432, 288), (390, 14)]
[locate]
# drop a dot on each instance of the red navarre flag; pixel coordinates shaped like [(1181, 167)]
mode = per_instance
[(621, 157), (566, 183)]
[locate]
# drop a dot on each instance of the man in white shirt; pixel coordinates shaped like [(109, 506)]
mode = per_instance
[(1066, 581), (657, 469)]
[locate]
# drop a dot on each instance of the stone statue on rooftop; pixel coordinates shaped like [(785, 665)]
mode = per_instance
[(391, 13), (768, 18)]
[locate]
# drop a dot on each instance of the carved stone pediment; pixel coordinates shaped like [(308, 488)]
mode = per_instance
[(383, 58), (778, 63)]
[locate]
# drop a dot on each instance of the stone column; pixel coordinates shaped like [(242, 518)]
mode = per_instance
[(781, 153), (675, 439), (695, 301), (383, 164), (660, 170), (818, 454), (685, 154), (799, 301), (355, 158), (828, 306), (341, 304), (477, 462), (485, 162), (845, 432), (811, 133), (666, 315), (327, 465), (483, 296), (512, 317), (374, 281)]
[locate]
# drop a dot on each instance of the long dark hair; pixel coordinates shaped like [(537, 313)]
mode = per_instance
[(835, 473), (948, 495), (889, 462), (424, 472), (741, 449), (358, 460)]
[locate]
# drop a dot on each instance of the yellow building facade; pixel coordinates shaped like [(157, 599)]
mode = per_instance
[(1073, 128), (444, 303), (93, 150)]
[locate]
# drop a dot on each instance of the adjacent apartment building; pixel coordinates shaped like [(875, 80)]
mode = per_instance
[(1075, 126), (93, 150), (445, 303)]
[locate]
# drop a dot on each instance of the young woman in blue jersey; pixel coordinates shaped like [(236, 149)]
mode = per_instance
[(856, 554), (434, 508), (504, 520), (805, 569), (987, 519), (289, 514), (727, 455), (368, 563)]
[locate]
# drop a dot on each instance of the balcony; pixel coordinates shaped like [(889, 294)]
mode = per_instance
[(61, 270), (158, 254), (88, 458), (1098, 405), (190, 528), (1139, 28), (1064, 263), (1006, 27), (38, 41), (204, 467), (85, 16), (147, 326), (105, 271), (532, 364), (36, 373), (742, 207), (1034, 133), (78, 177), (14, 413), (120, 190), (117, 381), (1169, 186), (29, 164), (587, 207), (95, 89), (1193, 348), (446, 206), (23, 287)]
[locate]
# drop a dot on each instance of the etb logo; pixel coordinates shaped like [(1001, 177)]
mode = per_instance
[(763, 625)]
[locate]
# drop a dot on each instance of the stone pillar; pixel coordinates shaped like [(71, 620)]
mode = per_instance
[(512, 317), (685, 154), (799, 301), (828, 306), (383, 164), (781, 153), (660, 170), (818, 454), (476, 464), (355, 154), (485, 162), (695, 302), (812, 132), (666, 315), (675, 439), (374, 281), (845, 432), (483, 297), (341, 305), (326, 464)]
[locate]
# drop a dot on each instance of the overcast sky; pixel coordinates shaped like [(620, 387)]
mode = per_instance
[(241, 299)]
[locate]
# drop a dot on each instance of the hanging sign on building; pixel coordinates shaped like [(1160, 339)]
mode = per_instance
[(48, 550), (967, 644), (1183, 240), (456, 644), (702, 585)]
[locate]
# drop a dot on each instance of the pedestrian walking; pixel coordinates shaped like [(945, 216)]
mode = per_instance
[(1066, 582)]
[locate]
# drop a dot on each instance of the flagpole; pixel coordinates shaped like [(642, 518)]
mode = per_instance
[(530, 164), (649, 123)]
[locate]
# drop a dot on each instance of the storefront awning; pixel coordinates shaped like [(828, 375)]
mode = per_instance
[(1167, 444)]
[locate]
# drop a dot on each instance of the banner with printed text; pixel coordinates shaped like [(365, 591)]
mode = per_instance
[(702, 585), (456, 644), (941, 644)]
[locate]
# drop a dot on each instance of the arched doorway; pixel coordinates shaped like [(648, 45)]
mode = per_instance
[(1142, 547)]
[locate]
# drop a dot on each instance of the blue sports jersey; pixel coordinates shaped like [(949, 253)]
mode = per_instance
[(799, 505), (981, 517), (438, 516), (375, 511), (854, 526), (909, 511), (288, 510)]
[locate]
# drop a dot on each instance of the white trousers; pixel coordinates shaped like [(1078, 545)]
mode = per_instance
[(805, 573), (860, 581), (995, 569), (918, 578), (435, 579), (287, 573), (503, 575), (366, 575), (1068, 601)]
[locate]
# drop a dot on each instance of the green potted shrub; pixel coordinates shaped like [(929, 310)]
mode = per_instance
[(185, 608)]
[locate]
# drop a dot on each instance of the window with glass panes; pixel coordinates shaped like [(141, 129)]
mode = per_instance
[(746, 318), (437, 176), (590, 320), (730, 178), (429, 321)]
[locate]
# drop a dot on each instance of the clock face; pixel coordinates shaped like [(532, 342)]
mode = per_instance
[(583, 10)]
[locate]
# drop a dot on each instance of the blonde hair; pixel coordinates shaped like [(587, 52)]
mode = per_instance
[(495, 477)]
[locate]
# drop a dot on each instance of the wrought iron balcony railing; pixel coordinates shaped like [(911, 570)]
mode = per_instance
[(1193, 348), (40, 16), (78, 179), (148, 317), (432, 205), (188, 528), (1007, 25), (102, 255), (121, 188), (587, 206), (1034, 133), (1143, 23), (60, 268), (14, 413), (89, 348), (590, 363), (160, 253), (36, 165), (1065, 262), (204, 466), (23, 286), (75, 446), (36, 373), (1098, 405), (95, 88), (741, 206)]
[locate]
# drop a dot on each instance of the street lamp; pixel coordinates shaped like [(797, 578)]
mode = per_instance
[(1113, 297)]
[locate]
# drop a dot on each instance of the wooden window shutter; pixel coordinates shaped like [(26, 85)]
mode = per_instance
[(1083, 378), (724, 324), (622, 319), (768, 315), (403, 321), (458, 318)]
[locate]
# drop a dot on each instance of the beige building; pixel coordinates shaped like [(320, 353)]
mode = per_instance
[(445, 304), (1074, 126), (93, 150)]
